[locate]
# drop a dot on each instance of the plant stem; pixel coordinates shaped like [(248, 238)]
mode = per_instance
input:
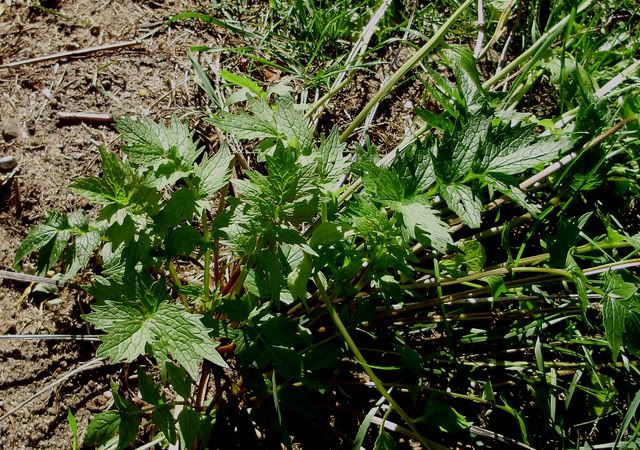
[(206, 290), (387, 87), (176, 280), (527, 54), (360, 358)]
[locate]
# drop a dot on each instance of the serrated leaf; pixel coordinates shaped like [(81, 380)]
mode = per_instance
[(180, 207), (381, 184), (169, 331), (50, 238), (179, 380), (148, 388), (414, 168), (332, 164), (621, 319), (540, 151), (81, 251), (467, 77), (242, 82), (461, 200), (421, 222), (182, 241), (442, 416), (297, 279), (128, 429), (212, 174), (326, 233), (512, 191), (460, 149), (151, 144)]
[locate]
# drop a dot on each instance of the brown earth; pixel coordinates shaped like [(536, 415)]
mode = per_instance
[(153, 78)]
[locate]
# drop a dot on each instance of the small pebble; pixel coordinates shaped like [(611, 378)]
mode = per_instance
[(8, 162), (11, 130)]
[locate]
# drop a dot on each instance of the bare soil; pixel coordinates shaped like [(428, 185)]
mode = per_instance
[(152, 78)]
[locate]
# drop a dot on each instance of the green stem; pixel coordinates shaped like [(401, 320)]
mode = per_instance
[(206, 290), (360, 358), (387, 87), (176, 281)]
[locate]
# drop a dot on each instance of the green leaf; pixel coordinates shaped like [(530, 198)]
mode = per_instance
[(189, 421), (461, 148), (148, 388), (510, 189), (564, 239), (50, 238), (385, 442), (170, 330), (179, 380), (464, 203), (73, 425), (332, 164), (326, 233), (102, 428), (213, 173), (467, 77), (301, 265), (439, 414), (380, 183), (242, 82), (81, 251), (163, 419), (152, 145), (182, 241), (621, 320), (421, 223), (283, 123), (181, 206), (511, 160)]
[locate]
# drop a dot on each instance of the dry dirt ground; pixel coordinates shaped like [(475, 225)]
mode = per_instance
[(152, 78)]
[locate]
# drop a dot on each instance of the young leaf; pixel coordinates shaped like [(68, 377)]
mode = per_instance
[(163, 419), (50, 238), (282, 123), (439, 414), (168, 331), (189, 421), (460, 149), (467, 77), (154, 145), (73, 425)]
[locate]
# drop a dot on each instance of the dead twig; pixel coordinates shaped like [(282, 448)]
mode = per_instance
[(25, 278), (87, 117), (72, 53), (50, 337)]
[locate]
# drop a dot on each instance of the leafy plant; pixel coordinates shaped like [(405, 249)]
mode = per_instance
[(301, 277)]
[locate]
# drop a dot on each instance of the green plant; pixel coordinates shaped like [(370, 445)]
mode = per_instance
[(298, 274)]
